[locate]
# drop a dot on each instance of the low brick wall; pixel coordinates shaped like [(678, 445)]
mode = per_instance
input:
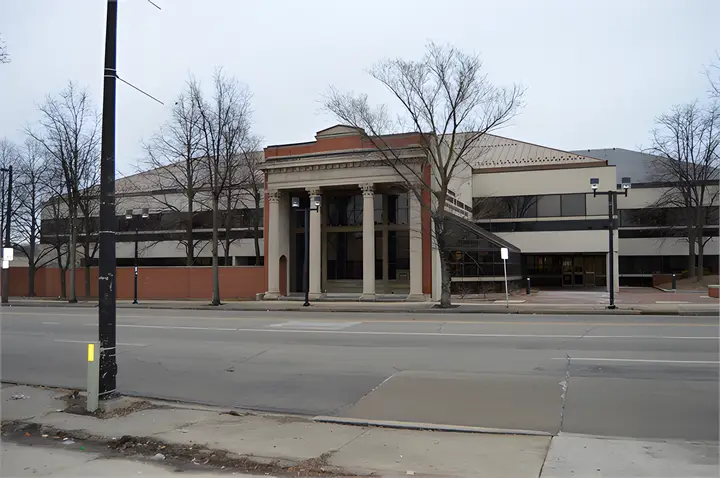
[(661, 279), (153, 282)]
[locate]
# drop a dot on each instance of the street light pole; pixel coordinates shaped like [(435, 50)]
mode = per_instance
[(130, 216), (612, 206), (315, 201), (108, 222), (135, 289), (6, 272)]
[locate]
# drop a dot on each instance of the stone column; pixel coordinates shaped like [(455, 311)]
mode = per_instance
[(416, 259), (315, 253), (368, 192), (273, 237)]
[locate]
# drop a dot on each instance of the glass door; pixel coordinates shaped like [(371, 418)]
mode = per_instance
[(567, 271), (578, 271)]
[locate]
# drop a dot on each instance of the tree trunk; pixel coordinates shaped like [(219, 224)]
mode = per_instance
[(189, 235), (86, 247), (691, 252), (215, 240), (700, 254), (31, 267), (72, 254), (31, 279), (445, 297)]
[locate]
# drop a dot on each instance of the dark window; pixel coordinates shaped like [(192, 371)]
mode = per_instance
[(398, 253), (531, 226), (398, 209), (548, 206), (345, 210), (573, 204), (344, 256)]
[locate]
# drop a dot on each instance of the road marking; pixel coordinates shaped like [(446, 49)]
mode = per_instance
[(301, 324), (673, 302), (439, 320), (124, 344), (51, 323), (413, 334), (591, 359), (510, 301)]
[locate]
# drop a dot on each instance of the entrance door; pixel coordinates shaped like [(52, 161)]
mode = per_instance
[(567, 271), (578, 271)]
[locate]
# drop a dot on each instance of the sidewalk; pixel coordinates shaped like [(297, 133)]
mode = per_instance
[(159, 438), (548, 305)]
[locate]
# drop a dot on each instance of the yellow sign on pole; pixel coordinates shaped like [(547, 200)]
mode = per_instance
[(91, 352)]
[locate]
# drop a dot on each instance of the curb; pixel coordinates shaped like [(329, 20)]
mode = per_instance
[(426, 426), (463, 309)]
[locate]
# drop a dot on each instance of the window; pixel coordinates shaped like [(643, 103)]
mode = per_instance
[(398, 209), (548, 206), (573, 204)]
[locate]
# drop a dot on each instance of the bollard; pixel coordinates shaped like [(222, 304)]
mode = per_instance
[(93, 376), (527, 287), (674, 282)]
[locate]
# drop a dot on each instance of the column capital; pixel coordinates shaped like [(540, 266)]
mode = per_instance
[(368, 189), (314, 191), (274, 195)]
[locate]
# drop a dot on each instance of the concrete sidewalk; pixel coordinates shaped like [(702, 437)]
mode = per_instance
[(193, 438), (709, 308)]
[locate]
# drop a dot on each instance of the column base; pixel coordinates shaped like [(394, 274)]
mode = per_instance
[(316, 295), (417, 298), (272, 295), (367, 297)]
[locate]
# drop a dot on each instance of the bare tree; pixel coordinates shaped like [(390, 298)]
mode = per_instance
[(253, 189), (713, 75), (174, 157), (32, 191), (225, 126), (245, 194), (446, 101), (686, 145), (69, 134), (4, 55)]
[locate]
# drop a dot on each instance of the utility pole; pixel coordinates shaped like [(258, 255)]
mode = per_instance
[(6, 272), (108, 221)]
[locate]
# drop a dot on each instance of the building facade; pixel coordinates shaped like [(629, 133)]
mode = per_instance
[(371, 238)]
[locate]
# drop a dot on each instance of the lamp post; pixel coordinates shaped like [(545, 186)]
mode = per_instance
[(612, 207), (129, 216), (6, 272), (315, 202)]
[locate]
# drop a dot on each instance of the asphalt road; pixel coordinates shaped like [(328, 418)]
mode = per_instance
[(634, 376)]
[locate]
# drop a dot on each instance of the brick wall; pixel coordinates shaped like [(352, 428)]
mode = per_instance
[(153, 282)]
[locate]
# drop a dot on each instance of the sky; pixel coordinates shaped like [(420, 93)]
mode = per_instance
[(597, 73)]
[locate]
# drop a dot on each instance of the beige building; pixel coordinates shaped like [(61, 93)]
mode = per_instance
[(370, 238)]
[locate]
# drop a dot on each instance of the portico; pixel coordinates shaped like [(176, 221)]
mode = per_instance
[(366, 237)]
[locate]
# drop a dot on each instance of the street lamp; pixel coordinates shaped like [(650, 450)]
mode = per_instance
[(129, 216), (5, 271), (314, 205), (612, 206)]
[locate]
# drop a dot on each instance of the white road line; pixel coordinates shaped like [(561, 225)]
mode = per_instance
[(413, 334), (672, 302), (592, 359), (124, 344), (51, 323)]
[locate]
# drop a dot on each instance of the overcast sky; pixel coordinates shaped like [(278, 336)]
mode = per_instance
[(597, 72)]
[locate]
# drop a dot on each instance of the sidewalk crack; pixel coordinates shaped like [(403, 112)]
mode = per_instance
[(565, 384)]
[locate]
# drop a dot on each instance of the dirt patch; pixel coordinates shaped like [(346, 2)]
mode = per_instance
[(77, 405), (181, 457)]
